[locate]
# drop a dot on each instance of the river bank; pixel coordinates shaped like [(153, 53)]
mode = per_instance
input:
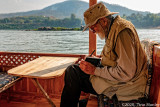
[(57, 29)]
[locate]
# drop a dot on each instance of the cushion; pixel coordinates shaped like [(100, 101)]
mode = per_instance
[(5, 79)]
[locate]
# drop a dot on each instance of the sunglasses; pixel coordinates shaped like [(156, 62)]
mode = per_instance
[(93, 26)]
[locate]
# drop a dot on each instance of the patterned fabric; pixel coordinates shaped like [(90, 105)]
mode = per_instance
[(5, 79), (148, 48), (104, 101)]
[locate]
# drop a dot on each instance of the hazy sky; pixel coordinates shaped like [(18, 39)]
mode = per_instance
[(9, 6)]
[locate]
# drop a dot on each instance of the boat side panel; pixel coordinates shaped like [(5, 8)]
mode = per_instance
[(155, 85)]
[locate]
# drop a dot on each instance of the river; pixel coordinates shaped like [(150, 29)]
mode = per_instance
[(70, 42)]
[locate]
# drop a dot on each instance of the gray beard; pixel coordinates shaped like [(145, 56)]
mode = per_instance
[(101, 36)]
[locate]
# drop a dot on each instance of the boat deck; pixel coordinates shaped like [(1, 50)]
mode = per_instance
[(40, 102), (25, 94)]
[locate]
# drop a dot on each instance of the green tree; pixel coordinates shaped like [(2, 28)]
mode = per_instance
[(73, 16)]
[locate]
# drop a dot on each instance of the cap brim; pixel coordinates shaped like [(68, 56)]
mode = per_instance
[(90, 24), (85, 28), (112, 13)]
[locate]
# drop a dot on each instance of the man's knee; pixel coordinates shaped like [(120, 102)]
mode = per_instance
[(71, 70)]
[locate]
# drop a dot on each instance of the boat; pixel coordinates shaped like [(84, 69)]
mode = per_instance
[(22, 92)]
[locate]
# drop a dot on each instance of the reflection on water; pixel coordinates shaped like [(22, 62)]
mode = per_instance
[(74, 42)]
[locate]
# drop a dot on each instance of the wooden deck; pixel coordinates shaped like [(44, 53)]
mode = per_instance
[(39, 102)]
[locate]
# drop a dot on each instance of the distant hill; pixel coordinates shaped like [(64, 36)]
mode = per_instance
[(123, 10), (66, 8)]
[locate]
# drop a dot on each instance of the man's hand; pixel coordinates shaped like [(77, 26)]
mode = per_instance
[(87, 67)]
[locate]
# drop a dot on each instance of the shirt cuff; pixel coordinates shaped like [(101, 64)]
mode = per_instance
[(97, 71)]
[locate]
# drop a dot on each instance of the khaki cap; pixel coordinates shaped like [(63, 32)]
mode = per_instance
[(94, 13)]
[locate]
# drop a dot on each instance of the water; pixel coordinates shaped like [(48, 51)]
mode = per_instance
[(72, 42)]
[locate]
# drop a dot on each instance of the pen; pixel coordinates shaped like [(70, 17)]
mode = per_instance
[(92, 53)]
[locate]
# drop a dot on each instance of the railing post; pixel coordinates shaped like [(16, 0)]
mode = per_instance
[(92, 36)]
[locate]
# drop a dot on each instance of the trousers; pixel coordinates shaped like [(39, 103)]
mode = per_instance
[(75, 81)]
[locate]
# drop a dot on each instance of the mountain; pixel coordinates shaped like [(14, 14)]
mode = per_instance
[(66, 8), (123, 10)]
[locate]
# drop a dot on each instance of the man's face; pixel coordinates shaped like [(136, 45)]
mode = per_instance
[(97, 28), (93, 28)]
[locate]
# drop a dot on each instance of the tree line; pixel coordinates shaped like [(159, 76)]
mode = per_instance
[(34, 22), (147, 21)]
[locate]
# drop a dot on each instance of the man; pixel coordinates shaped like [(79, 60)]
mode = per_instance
[(125, 64)]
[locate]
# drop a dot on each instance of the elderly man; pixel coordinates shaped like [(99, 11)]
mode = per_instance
[(124, 70)]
